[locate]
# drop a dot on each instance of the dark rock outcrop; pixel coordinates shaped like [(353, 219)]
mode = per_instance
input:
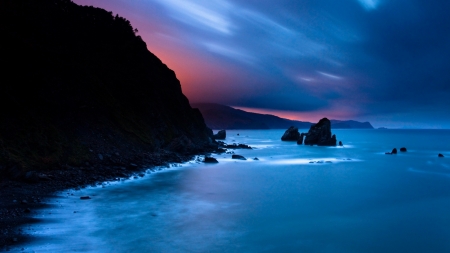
[(403, 149), (393, 152), (78, 81), (233, 145), (210, 160), (300, 139), (291, 134), (340, 143), (238, 157), (320, 134), (440, 155), (221, 135)]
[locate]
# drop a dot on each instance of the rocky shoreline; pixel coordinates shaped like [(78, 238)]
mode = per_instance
[(20, 199)]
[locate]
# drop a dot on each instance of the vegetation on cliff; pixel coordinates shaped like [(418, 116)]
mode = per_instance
[(78, 81)]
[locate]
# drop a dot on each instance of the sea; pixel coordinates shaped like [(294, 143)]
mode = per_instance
[(292, 198)]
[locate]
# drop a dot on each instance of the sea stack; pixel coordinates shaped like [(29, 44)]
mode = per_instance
[(291, 134), (300, 140), (320, 134)]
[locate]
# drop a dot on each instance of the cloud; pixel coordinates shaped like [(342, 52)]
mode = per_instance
[(233, 53), (211, 14), (384, 59), (369, 4), (335, 77)]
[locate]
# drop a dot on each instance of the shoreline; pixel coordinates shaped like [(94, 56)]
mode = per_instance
[(20, 200)]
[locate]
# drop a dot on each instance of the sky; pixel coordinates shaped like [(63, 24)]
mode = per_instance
[(382, 61)]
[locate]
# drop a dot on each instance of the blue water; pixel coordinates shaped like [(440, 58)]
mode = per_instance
[(295, 198)]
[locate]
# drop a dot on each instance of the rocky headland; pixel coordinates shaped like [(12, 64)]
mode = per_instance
[(82, 101)]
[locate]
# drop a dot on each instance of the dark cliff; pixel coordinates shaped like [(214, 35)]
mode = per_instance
[(76, 81)]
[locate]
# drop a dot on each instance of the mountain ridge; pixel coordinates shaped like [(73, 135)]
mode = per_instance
[(219, 116)]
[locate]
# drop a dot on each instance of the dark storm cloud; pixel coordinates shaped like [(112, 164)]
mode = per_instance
[(378, 59)]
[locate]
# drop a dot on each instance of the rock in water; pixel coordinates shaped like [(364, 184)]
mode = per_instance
[(340, 143), (239, 157), (394, 151), (440, 155), (320, 134), (291, 134), (221, 135), (300, 140), (210, 160), (403, 149)]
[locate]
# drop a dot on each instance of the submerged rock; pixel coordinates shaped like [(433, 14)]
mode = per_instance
[(238, 157), (234, 145), (393, 152), (221, 135), (291, 134), (440, 155), (402, 149), (320, 134), (85, 197), (210, 160)]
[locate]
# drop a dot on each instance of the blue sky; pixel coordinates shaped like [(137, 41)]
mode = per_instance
[(381, 61)]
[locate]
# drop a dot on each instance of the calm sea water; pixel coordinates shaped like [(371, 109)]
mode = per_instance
[(349, 199)]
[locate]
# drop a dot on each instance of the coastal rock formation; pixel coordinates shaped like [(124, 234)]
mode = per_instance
[(320, 134), (440, 155), (79, 81), (300, 140), (221, 135), (210, 160), (403, 149), (340, 143), (291, 134), (238, 157), (393, 152), (233, 145)]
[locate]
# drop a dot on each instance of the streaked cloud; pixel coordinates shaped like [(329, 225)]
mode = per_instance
[(331, 76), (228, 52), (210, 14), (307, 56), (369, 4)]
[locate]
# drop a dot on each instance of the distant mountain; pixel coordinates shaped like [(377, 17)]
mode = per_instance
[(225, 117)]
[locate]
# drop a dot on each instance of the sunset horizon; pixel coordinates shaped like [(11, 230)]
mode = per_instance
[(365, 60)]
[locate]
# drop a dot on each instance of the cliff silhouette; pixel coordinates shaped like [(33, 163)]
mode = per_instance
[(78, 85)]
